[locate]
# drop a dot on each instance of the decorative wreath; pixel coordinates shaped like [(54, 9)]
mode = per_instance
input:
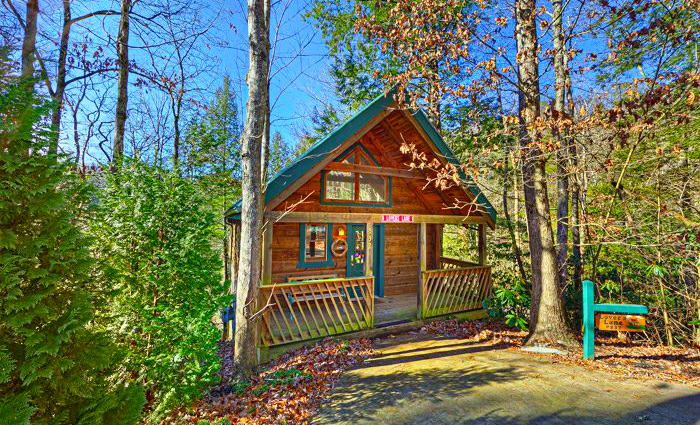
[(339, 247)]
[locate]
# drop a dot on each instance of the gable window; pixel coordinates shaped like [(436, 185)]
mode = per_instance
[(353, 186), (314, 245)]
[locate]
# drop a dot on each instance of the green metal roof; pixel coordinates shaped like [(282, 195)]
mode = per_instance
[(321, 148)]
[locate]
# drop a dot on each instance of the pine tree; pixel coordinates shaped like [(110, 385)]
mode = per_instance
[(280, 154), (55, 366), (155, 234)]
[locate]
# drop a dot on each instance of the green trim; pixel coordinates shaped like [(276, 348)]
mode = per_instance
[(378, 264), (342, 133), (352, 203), (352, 148), (323, 200), (302, 248)]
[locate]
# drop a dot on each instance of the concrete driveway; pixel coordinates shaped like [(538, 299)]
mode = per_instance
[(431, 380)]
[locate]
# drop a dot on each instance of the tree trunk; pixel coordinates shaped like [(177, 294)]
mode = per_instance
[(61, 77), (506, 157), (29, 42), (257, 111), (123, 84), (547, 318), (558, 115), (575, 187)]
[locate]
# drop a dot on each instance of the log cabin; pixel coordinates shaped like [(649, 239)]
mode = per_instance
[(352, 234)]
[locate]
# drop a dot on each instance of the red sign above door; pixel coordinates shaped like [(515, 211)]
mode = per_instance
[(397, 218)]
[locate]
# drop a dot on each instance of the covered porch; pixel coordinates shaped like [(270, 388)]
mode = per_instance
[(307, 309)]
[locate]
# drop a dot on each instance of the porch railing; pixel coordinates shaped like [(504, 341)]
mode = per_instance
[(451, 263), (315, 308), (454, 290)]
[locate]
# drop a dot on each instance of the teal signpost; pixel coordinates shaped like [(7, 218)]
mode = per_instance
[(590, 309)]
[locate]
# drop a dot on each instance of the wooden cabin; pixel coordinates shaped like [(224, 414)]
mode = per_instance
[(352, 235)]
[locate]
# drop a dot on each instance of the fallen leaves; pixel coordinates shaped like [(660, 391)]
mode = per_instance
[(289, 389), (631, 359)]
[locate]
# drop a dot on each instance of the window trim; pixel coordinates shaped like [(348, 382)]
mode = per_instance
[(328, 262), (339, 158)]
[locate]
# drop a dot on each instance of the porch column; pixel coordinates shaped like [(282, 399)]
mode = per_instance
[(482, 244), (234, 244), (423, 261), (267, 253), (369, 256)]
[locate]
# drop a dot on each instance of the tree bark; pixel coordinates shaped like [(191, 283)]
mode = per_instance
[(29, 42), (257, 112), (61, 77), (558, 115), (123, 83), (547, 319), (575, 187), (506, 213)]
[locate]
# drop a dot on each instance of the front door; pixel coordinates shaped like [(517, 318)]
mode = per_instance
[(357, 235), (357, 252)]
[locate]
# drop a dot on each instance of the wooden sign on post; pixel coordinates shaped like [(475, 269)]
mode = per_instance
[(590, 308), (620, 322)]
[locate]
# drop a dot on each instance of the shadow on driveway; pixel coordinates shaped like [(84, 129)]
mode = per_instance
[(418, 380)]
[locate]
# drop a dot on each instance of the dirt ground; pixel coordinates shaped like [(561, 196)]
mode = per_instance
[(424, 379)]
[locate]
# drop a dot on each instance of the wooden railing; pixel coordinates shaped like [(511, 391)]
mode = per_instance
[(315, 308), (453, 290), (451, 263)]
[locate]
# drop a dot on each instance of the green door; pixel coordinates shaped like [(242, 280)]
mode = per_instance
[(357, 236), (357, 252)]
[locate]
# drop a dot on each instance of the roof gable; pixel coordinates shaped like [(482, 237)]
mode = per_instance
[(329, 145)]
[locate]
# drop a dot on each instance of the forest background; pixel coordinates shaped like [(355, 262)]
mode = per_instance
[(121, 140)]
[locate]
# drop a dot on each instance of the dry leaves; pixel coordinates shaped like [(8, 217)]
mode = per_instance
[(289, 390)]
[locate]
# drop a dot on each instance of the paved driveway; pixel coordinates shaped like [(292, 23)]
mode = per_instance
[(450, 381)]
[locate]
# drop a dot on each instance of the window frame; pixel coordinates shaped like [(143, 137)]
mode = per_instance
[(303, 263), (359, 149)]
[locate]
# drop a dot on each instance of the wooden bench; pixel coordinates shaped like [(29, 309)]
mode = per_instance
[(303, 293)]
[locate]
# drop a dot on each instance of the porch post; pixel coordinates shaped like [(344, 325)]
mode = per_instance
[(423, 260), (267, 253), (369, 256), (482, 244), (233, 256)]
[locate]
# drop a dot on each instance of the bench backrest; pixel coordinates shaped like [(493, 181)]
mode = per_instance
[(292, 279)]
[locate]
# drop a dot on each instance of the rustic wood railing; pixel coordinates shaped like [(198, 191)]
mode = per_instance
[(451, 263), (315, 308), (453, 290)]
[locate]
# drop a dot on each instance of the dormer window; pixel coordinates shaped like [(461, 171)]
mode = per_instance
[(355, 186)]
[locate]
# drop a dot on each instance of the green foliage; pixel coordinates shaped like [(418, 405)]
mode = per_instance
[(280, 154), (155, 235), (55, 366), (511, 301)]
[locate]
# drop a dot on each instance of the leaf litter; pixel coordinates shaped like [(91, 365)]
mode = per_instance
[(290, 389)]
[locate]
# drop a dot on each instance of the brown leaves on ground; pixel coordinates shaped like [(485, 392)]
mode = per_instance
[(639, 359), (289, 390), (496, 334), (631, 359)]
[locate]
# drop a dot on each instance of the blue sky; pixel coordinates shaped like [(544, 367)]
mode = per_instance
[(299, 78)]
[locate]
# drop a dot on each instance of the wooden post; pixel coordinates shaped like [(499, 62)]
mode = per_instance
[(234, 243), (233, 255), (440, 229), (423, 261), (369, 252), (267, 253), (482, 244)]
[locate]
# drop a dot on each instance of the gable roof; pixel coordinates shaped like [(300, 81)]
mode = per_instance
[(328, 144)]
